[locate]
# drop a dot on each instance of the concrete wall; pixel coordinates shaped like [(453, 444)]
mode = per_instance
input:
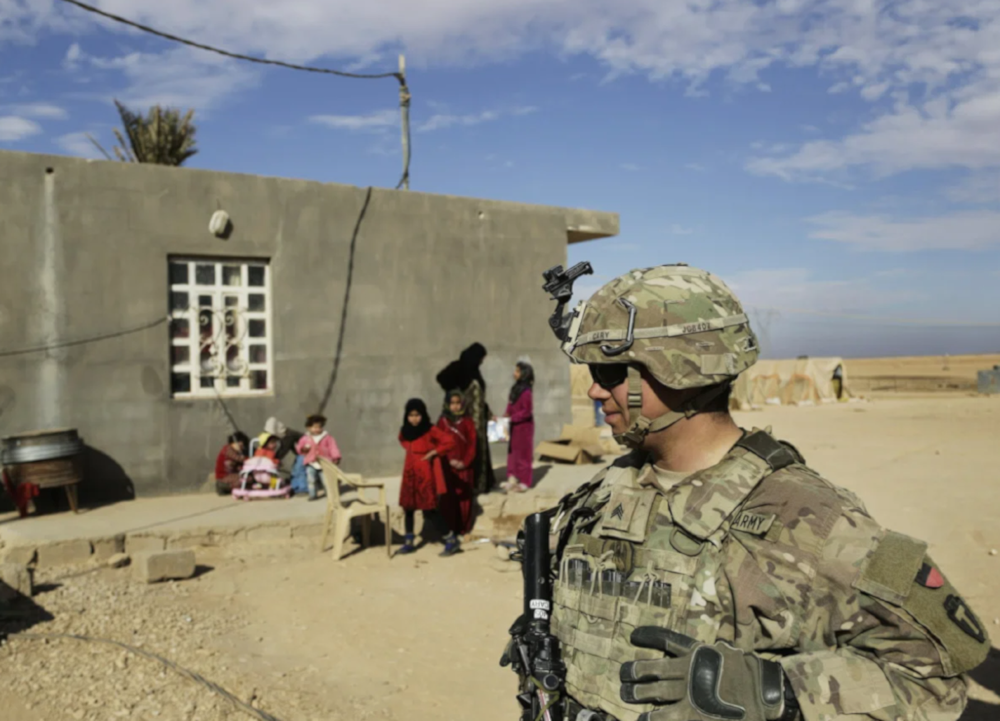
[(85, 248)]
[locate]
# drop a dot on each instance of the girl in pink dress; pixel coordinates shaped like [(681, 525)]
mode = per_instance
[(522, 430)]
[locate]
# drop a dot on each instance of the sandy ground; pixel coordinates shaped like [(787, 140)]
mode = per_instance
[(882, 376), (419, 637)]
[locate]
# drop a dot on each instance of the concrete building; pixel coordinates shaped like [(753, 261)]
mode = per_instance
[(106, 249)]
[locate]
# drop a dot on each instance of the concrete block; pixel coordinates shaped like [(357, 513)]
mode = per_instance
[(22, 555), (18, 577), (64, 553), (263, 534), (144, 544), (156, 566), (189, 540), (105, 548)]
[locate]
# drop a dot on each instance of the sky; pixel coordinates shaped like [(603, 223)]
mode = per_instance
[(836, 162)]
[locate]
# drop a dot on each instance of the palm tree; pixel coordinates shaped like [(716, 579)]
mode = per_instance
[(163, 137)]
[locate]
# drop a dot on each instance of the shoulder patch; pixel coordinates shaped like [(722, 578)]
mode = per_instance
[(891, 570), (900, 574)]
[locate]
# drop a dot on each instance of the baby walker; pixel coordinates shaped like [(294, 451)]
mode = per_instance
[(260, 479)]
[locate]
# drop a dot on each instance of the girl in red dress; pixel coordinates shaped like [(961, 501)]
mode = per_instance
[(423, 477), (459, 474), (229, 462)]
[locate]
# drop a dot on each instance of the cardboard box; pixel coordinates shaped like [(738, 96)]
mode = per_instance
[(577, 444)]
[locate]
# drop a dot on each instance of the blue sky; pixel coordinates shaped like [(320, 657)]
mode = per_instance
[(825, 157)]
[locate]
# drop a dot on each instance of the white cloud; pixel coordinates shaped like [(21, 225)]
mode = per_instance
[(79, 144), (71, 61), (797, 289), (966, 230), (931, 69), (977, 189), (40, 110), (680, 230), (381, 120), (14, 128), (946, 133), (181, 77), (378, 120), (632, 167), (440, 121), (695, 167)]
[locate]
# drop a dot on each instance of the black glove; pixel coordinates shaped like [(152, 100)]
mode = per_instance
[(701, 682)]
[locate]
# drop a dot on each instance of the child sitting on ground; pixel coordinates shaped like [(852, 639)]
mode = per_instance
[(316, 444), (229, 462)]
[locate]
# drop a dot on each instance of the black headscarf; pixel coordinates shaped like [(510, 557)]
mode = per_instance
[(454, 418), (460, 374), (526, 381), (409, 431)]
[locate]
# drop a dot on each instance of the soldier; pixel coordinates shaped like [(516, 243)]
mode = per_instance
[(710, 573)]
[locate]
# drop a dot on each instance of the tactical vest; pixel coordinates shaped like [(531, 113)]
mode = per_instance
[(632, 555)]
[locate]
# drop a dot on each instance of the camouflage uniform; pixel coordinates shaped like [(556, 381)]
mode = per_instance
[(758, 551)]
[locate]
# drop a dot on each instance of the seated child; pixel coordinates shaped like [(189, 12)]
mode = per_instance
[(316, 444), (229, 462), (268, 447)]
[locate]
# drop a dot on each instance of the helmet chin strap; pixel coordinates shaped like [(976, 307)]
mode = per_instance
[(640, 426)]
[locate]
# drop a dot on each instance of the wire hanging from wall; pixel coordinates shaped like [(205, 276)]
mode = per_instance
[(343, 309), (400, 75)]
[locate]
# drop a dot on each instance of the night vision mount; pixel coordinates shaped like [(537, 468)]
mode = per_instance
[(559, 284)]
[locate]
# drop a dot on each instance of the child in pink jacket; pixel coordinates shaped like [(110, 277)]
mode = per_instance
[(316, 444)]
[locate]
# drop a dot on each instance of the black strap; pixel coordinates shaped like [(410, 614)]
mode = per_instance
[(773, 452)]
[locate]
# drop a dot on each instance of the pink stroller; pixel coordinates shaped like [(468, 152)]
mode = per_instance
[(260, 479)]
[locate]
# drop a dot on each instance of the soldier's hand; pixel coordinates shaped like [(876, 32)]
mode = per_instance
[(700, 682)]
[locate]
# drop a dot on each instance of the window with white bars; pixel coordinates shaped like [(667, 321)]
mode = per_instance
[(220, 328)]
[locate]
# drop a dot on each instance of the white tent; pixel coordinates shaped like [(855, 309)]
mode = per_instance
[(803, 381)]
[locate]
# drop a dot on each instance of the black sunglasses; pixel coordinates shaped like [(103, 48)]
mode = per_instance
[(609, 375)]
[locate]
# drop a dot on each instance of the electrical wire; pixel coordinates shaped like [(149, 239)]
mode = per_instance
[(227, 53), (191, 675), (343, 307), (83, 341), (404, 91)]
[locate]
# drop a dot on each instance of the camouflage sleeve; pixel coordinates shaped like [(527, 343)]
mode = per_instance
[(895, 652)]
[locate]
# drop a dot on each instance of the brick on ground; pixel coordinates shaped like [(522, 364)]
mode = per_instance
[(105, 548), (154, 566), (64, 553)]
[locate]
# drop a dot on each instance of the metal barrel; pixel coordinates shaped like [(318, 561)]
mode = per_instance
[(40, 446), (53, 473)]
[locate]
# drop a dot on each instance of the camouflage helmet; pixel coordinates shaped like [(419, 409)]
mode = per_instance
[(687, 327), (682, 324)]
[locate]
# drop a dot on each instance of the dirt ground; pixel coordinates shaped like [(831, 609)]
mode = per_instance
[(920, 374), (419, 637)]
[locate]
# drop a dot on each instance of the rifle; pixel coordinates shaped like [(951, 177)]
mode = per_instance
[(534, 651)]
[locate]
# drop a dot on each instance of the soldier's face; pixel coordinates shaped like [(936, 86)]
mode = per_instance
[(614, 401)]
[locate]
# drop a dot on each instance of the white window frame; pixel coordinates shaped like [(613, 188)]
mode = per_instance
[(227, 356)]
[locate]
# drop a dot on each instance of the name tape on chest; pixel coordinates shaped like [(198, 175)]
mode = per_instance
[(754, 523)]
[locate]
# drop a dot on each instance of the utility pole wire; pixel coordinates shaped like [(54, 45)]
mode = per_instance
[(404, 91)]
